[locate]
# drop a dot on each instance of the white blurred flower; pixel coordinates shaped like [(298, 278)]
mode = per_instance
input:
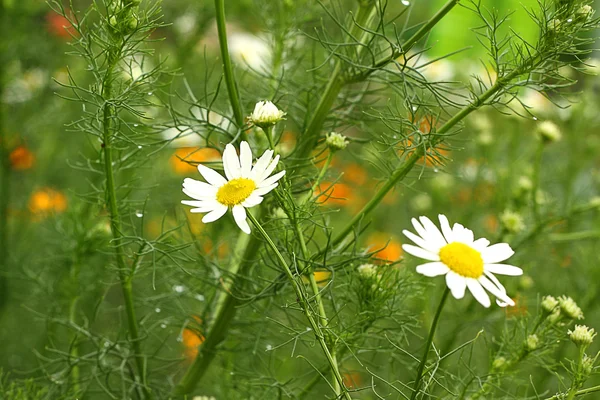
[(244, 187), (549, 132), (185, 24), (250, 51), (367, 271), (466, 262), (512, 221)]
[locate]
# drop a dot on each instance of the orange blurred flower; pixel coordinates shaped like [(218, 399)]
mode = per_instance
[(519, 309), (47, 200), (58, 25), (322, 277), (335, 194), (354, 173), (390, 248), (491, 223), (180, 160), (434, 156), (352, 379), (21, 158), (192, 339)]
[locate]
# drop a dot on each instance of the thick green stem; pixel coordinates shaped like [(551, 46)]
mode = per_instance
[(234, 96), (305, 308), (434, 323), (226, 310), (125, 277)]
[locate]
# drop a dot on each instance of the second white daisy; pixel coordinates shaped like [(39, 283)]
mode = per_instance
[(466, 262), (244, 187)]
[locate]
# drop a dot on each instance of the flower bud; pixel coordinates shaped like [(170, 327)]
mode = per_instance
[(555, 316), (582, 335), (512, 221), (266, 114), (548, 132), (336, 141), (570, 308), (585, 11), (532, 342), (549, 303), (587, 364), (367, 271), (499, 363)]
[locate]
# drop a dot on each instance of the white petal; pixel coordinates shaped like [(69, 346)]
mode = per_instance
[(462, 234), (252, 201), (239, 215), (231, 163), (493, 289), (419, 228), (268, 171), (197, 196), (481, 244), (200, 204), (271, 180), (433, 269), (496, 253), (264, 190), (215, 214), (503, 269), (478, 292), (446, 230), (211, 176), (421, 253), (261, 164), (435, 236), (245, 159), (420, 242), (201, 188), (457, 284)]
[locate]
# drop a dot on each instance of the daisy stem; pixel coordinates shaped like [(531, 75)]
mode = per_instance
[(109, 115), (320, 177), (537, 165), (269, 134), (234, 96), (306, 309), (434, 324)]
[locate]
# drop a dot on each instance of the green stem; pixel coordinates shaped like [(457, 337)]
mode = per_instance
[(581, 392), (226, 310), (577, 380), (413, 39), (115, 219), (305, 307), (74, 353), (537, 165), (434, 323), (5, 173), (234, 97), (320, 177), (269, 134)]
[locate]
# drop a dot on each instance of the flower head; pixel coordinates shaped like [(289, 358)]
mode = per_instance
[(549, 303), (570, 308), (548, 132), (582, 335), (336, 141), (466, 262), (367, 271), (266, 114), (512, 221), (532, 342), (244, 187)]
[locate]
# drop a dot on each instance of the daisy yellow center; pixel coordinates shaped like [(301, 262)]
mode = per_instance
[(235, 191), (462, 259)]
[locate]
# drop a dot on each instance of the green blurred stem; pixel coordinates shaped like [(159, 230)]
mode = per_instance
[(4, 174), (227, 303), (434, 323), (578, 379), (74, 352), (234, 96), (537, 165), (115, 218), (404, 168), (340, 388), (581, 392)]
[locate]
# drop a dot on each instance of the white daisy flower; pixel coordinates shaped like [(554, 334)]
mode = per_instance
[(466, 262), (244, 187)]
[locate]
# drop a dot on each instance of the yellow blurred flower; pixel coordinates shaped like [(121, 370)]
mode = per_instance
[(47, 200), (390, 248), (181, 159)]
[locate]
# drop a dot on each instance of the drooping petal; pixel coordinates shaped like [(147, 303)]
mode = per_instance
[(435, 236), (496, 282), (432, 269), (211, 176), (420, 242), (421, 253), (271, 180), (239, 215), (261, 165), (231, 163), (478, 292), (245, 159), (252, 201), (215, 214), (496, 253), (493, 289), (267, 171), (419, 228), (504, 269), (446, 230), (457, 284)]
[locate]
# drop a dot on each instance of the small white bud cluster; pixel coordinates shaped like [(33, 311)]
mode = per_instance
[(266, 114), (336, 141), (549, 303), (582, 335), (570, 308), (548, 132), (512, 221), (532, 342), (367, 271)]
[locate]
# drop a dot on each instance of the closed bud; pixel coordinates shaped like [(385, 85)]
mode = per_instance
[(512, 221), (336, 141), (582, 335), (266, 114), (532, 342), (587, 364), (548, 132), (549, 303), (570, 308), (499, 363)]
